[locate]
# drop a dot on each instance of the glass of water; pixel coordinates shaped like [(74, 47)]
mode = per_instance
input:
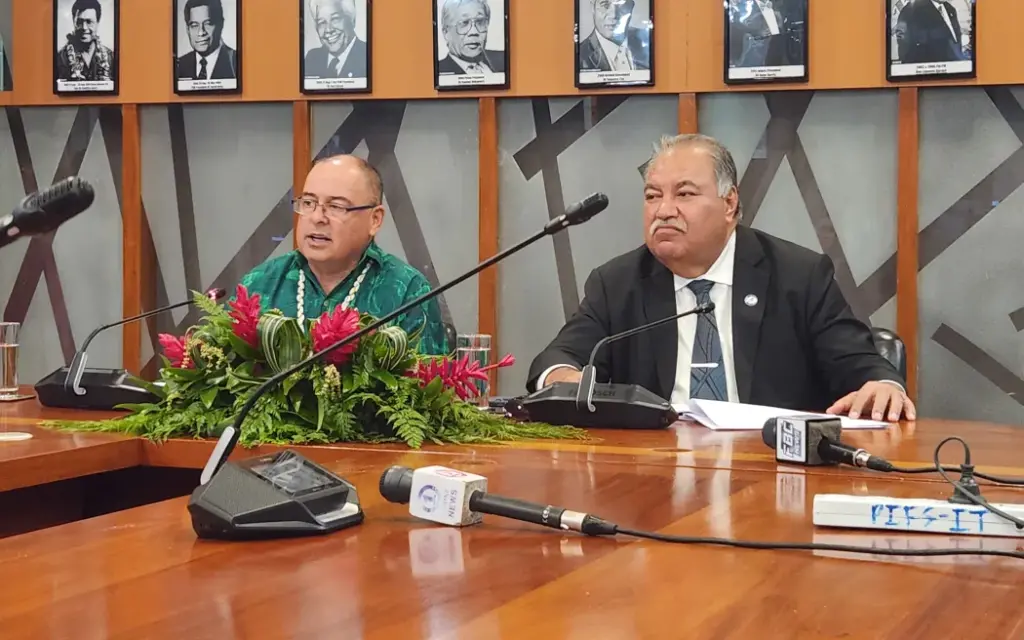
[(477, 346), (9, 359)]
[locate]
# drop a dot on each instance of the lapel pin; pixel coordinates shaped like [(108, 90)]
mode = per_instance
[(750, 300)]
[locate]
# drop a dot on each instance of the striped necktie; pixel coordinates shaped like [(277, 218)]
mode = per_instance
[(707, 368)]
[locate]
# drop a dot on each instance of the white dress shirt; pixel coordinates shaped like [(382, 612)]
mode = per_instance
[(769, 16), (471, 68), (211, 62), (941, 8), (619, 56), (720, 274), (336, 63)]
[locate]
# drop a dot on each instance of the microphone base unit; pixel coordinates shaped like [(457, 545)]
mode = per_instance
[(617, 406), (282, 495), (914, 515), (105, 389)]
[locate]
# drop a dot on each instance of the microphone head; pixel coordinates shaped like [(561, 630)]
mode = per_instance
[(216, 294), (44, 211), (396, 484), (707, 307), (768, 432), (586, 209)]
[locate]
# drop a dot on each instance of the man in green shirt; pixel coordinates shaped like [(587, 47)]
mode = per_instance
[(337, 261)]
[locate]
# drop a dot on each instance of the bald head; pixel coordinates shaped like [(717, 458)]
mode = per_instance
[(347, 166)]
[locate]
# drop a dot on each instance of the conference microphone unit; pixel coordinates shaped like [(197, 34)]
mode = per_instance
[(456, 498), (223, 508), (813, 440), (594, 405), (77, 387), (43, 211)]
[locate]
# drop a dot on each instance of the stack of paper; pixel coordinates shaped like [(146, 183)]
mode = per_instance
[(718, 415)]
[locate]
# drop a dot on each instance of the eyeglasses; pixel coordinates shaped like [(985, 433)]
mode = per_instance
[(462, 26), (308, 206)]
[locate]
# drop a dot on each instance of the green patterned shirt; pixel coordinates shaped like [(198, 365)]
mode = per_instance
[(389, 283)]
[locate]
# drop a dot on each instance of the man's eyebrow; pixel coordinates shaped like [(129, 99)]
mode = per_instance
[(328, 199)]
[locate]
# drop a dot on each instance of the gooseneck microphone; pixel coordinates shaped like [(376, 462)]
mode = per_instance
[(585, 393), (452, 497), (575, 214), (73, 379), (814, 441), (43, 211)]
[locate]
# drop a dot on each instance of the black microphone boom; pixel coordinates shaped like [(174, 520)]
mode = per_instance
[(43, 211), (576, 214), (618, 406), (104, 389)]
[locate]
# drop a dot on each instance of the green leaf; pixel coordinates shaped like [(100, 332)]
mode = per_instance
[(321, 407), (242, 348), (281, 341), (208, 396), (388, 380)]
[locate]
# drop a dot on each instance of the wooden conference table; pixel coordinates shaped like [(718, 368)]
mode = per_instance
[(142, 573)]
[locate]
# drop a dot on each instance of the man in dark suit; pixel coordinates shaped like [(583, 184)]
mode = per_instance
[(781, 333), (613, 45), (758, 34), (210, 58), (464, 25), (928, 31), (341, 54)]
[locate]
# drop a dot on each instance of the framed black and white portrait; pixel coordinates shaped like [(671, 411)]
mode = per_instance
[(765, 41), (334, 38), (471, 48), (930, 39), (207, 46), (614, 43), (85, 34)]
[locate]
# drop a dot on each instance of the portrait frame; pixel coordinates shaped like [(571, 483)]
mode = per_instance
[(462, 80), (897, 70), (212, 86), (793, 23), (585, 78), (111, 15), (338, 87)]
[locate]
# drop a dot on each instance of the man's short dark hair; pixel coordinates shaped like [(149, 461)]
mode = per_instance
[(215, 7), (84, 5), (372, 175)]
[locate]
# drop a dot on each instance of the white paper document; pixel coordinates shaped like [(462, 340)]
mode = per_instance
[(734, 416)]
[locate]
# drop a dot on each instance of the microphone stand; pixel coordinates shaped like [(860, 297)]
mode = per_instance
[(585, 392), (579, 213)]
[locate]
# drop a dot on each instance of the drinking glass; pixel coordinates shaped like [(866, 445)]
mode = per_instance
[(477, 346), (9, 359)]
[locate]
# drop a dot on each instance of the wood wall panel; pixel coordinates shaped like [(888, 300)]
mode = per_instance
[(487, 227), (301, 153), (907, 225), (131, 237)]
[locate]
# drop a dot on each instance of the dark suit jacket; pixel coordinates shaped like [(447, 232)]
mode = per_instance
[(751, 43), (495, 60), (922, 34), (225, 69), (592, 57), (798, 347), (354, 67)]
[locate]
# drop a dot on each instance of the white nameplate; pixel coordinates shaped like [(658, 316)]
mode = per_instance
[(914, 515)]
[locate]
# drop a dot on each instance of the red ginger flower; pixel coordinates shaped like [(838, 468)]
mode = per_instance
[(175, 352), (457, 374), (245, 311), (329, 328)]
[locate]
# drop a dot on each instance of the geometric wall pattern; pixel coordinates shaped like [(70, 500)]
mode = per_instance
[(818, 169), (61, 286)]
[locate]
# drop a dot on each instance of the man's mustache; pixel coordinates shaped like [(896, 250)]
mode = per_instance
[(672, 223)]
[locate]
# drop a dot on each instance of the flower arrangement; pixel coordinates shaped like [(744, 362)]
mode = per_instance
[(376, 389)]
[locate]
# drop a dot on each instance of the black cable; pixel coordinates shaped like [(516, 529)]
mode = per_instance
[(814, 546), (957, 469), (967, 469)]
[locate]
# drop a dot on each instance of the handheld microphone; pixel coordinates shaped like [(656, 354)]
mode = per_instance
[(812, 440), (575, 214), (452, 497), (106, 388), (585, 392), (43, 211)]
